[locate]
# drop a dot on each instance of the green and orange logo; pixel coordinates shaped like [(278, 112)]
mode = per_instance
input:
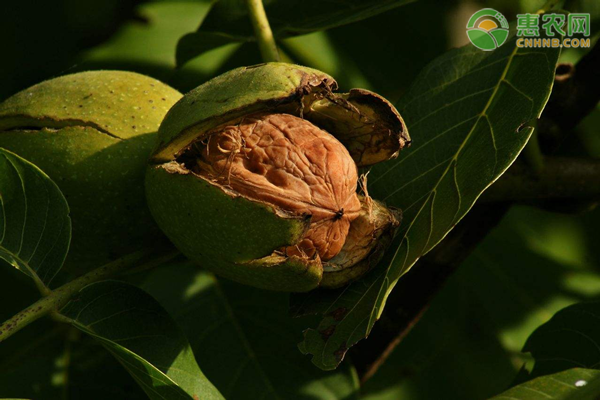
[(487, 29)]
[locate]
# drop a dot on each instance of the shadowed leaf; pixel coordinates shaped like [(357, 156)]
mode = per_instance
[(256, 338), (467, 115), (228, 21), (571, 339), (143, 338), (35, 228), (469, 341)]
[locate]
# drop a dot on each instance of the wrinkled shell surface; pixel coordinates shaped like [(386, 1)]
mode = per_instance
[(256, 212), (287, 161)]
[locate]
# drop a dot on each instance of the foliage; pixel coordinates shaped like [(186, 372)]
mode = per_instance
[(461, 106), (570, 384), (35, 218), (518, 319)]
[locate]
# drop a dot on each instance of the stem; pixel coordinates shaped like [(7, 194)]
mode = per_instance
[(262, 30), (56, 299)]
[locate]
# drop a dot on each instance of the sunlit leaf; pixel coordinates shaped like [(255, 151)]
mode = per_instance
[(143, 338), (35, 228), (566, 385), (467, 114)]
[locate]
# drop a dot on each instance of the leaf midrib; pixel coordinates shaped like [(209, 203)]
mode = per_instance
[(442, 176)]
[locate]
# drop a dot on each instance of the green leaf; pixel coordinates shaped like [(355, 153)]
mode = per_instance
[(35, 228), (255, 337), (55, 361), (228, 21), (143, 338), (148, 47), (146, 44), (316, 50), (571, 339), (194, 44), (91, 367), (571, 384), (467, 114), (469, 341)]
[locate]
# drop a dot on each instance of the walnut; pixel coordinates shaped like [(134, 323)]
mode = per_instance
[(292, 164), (254, 177)]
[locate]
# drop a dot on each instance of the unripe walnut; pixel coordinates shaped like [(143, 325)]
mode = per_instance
[(289, 162), (255, 177), (92, 133)]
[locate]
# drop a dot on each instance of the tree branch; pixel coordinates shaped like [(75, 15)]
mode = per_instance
[(56, 299), (575, 94), (413, 293), (561, 179)]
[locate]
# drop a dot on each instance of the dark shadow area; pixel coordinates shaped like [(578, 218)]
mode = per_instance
[(42, 39)]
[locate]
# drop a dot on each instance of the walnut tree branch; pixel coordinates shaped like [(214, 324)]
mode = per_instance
[(56, 299), (575, 94), (561, 179), (415, 291)]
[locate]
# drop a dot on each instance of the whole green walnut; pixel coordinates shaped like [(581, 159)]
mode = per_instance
[(92, 133), (255, 177)]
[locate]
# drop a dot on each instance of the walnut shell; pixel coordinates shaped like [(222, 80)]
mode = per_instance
[(287, 161), (255, 177)]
